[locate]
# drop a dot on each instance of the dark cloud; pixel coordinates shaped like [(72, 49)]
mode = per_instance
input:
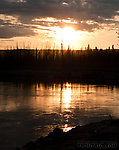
[(85, 26), (13, 31), (99, 11), (79, 9)]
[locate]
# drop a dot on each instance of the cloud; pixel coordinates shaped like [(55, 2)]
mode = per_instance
[(78, 9), (98, 11), (14, 31)]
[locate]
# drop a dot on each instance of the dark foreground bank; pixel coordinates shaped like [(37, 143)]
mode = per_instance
[(86, 75), (102, 135)]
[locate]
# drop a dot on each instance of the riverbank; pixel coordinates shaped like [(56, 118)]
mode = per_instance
[(94, 66), (100, 135), (87, 75)]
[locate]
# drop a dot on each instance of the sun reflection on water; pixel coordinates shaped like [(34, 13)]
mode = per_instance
[(67, 95), (66, 128)]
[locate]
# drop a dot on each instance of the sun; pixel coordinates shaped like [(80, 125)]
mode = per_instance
[(68, 35)]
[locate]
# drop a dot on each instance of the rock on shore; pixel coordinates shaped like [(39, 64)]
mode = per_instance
[(102, 135)]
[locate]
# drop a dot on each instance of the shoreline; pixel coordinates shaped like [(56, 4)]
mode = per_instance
[(96, 76), (91, 136)]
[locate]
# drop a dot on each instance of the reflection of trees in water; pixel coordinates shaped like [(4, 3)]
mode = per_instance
[(59, 98)]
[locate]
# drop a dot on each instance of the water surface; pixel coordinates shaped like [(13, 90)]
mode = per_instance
[(30, 110)]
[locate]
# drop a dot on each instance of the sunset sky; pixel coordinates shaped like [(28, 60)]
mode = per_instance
[(46, 23)]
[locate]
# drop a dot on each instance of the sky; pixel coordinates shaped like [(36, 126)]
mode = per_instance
[(45, 24)]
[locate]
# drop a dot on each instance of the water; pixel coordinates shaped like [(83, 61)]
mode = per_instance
[(31, 110)]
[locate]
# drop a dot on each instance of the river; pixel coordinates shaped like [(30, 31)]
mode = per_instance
[(30, 110)]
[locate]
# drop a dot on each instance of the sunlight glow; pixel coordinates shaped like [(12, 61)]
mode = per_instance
[(70, 37), (67, 34)]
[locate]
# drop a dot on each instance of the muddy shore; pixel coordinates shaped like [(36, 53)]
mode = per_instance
[(100, 135)]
